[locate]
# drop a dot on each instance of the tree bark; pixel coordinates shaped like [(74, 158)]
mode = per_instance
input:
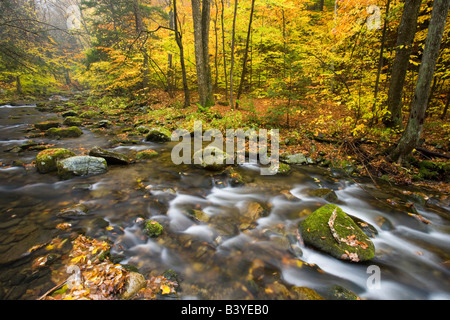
[(405, 38), (232, 53), (139, 28), (380, 61), (180, 46), (411, 135), (244, 62), (224, 52), (201, 16)]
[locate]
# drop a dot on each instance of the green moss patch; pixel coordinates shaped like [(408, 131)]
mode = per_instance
[(339, 236)]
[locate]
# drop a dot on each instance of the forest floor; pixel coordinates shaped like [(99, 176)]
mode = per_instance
[(323, 130)]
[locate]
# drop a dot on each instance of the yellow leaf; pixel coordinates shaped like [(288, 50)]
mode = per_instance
[(165, 289)]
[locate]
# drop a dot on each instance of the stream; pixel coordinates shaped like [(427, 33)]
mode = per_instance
[(216, 259)]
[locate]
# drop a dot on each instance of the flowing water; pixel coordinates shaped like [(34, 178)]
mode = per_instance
[(219, 258)]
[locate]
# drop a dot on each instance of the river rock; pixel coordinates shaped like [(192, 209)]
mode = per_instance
[(73, 212), (109, 156), (73, 121), (298, 158), (43, 126), (210, 158), (70, 132), (70, 113), (135, 282), (146, 154), (343, 240), (46, 160), (81, 166), (251, 212), (324, 193), (159, 135)]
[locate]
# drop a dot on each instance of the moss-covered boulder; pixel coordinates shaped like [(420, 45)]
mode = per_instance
[(47, 160), (146, 154), (210, 158), (331, 230), (158, 135), (43, 126), (70, 132), (81, 166), (70, 113), (73, 121), (153, 228)]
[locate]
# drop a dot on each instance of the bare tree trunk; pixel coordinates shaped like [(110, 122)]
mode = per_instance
[(201, 17), (244, 63), (224, 52), (444, 113), (216, 36), (405, 38), (380, 63), (411, 135), (232, 53), (180, 46), (170, 71), (139, 28), (18, 85)]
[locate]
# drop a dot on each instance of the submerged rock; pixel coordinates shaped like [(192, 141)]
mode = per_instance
[(153, 228), (324, 193), (331, 230), (76, 211), (109, 156), (47, 160), (250, 213), (81, 166)]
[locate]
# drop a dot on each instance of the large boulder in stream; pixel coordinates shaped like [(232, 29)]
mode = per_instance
[(81, 166), (47, 159), (333, 231)]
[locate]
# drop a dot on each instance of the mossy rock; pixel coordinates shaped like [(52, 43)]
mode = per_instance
[(43, 126), (70, 113), (73, 121), (352, 243), (324, 193), (284, 169), (110, 156), (153, 228), (46, 160), (146, 154), (304, 293), (70, 132), (89, 114), (158, 135), (215, 159)]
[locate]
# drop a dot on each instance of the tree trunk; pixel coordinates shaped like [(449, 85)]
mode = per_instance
[(411, 135), (216, 38), (224, 51), (321, 3), (180, 46), (380, 62), (405, 38), (232, 53), (18, 85), (201, 17), (140, 28), (170, 69), (244, 63), (444, 113)]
